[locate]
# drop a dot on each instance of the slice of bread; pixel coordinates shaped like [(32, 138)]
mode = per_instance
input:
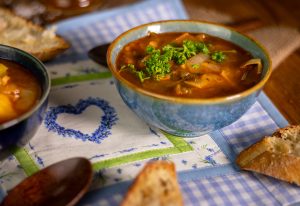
[(277, 156), (20, 33), (156, 185)]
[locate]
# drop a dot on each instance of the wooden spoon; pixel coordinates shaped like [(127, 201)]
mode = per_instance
[(62, 183)]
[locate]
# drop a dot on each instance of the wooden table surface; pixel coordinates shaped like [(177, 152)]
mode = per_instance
[(283, 88)]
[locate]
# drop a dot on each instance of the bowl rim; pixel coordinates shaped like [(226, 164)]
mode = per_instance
[(45, 93), (214, 100)]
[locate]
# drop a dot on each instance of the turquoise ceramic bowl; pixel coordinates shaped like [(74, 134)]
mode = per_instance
[(182, 116)]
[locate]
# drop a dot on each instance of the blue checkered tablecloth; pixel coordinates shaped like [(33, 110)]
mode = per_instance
[(85, 32), (219, 185), (226, 185)]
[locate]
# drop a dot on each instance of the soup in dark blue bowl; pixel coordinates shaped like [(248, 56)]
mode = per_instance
[(24, 89)]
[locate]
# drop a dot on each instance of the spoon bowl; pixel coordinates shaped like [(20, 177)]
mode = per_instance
[(62, 183)]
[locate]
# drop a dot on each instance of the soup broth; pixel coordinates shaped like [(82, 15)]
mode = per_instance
[(188, 65), (19, 90)]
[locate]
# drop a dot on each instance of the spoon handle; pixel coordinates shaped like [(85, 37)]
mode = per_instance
[(247, 25), (98, 54)]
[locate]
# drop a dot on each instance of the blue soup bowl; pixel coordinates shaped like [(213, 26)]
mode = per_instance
[(182, 116), (19, 131)]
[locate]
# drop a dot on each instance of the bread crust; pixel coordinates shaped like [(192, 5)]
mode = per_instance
[(44, 48), (156, 184), (52, 52), (276, 156)]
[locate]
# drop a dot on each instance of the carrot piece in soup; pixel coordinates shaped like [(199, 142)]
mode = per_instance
[(6, 109), (3, 70), (182, 37)]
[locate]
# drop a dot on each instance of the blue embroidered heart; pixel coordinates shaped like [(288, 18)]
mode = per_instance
[(107, 120)]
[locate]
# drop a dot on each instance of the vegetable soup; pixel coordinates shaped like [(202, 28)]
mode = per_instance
[(191, 65), (19, 90)]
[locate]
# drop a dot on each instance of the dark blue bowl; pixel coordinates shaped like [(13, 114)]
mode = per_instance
[(19, 131)]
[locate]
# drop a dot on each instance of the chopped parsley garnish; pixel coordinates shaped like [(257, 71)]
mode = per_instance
[(158, 62), (140, 74), (218, 56), (189, 48)]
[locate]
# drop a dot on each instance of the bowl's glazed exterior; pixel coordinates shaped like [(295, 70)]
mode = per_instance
[(182, 116), (19, 131)]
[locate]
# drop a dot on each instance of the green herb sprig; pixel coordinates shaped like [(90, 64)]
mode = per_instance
[(158, 62), (140, 74), (218, 56), (189, 49)]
